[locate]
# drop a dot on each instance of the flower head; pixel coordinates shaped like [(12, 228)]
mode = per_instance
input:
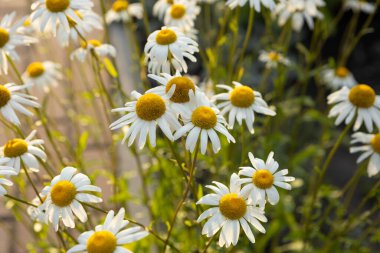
[(101, 50), (270, 4), (43, 74), (182, 14), (338, 78), (273, 59), (360, 6), (5, 171), (123, 11)]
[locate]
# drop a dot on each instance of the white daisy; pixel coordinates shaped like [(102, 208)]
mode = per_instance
[(29, 28), (12, 100), (262, 179), (55, 13), (10, 38), (167, 48), (160, 8), (6, 171), (182, 14), (101, 50), (123, 11), (231, 209), (36, 213), (144, 114), (201, 122), (109, 237), (370, 148), (242, 102), (43, 74), (19, 152), (64, 197), (270, 4), (273, 59), (360, 101), (338, 78), (360, 5)]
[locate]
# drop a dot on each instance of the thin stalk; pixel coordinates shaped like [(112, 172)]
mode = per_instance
[(20, 200), (31, 182)]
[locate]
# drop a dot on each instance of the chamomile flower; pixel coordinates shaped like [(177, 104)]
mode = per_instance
[(201, 123), (5, 171), (182, 14), (270, 4), (338, 78), (10, 38), (360, 101), (64, 197), (231, 210), (109, 237), (123, 11), (160, 8), (370, 148), (55, 13), (11, 100), (242, 102), (168, 48), (43, 74), (19, 152), (262, 179), (360, 6), (101, 50), (37, 214), (144, 114), (29, 28), (273, 59)]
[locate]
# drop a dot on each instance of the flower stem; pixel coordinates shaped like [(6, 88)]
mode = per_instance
[(20, 200), (31, 182)]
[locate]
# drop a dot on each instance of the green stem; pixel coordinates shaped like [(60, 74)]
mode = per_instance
[(19, 200)]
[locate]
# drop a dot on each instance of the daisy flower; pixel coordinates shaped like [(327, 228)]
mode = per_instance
[(6, 171), (370, 148), (231, 210), (101, 50), (273, 59), (109, 237), (160, 8), (29, 28), (182, 14), (202, 122), (338, 78), (167, 48), (360, 101), (25, 152), (270, 4), (43, 74), (123, 11), (242, 102), (262, 179), (12, 100), (360, 5), (10, 38), (56, 13), (36, 213), (64, 197), (144, 114)]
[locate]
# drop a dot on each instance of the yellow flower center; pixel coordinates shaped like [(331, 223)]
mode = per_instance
[(242, 96), (35, 69), (166, 37), (15, 148), (63, 193), (27, 22), (150, 107), (170, 1), (177, 11), (232, 206), (182, 88), (57, 5), (263, 179), (342, 72), (120, 5), (362, 96), (204, 117), (4, 37), (5, 95), (94, 43), (273, 56), (375, 142), (101, 242)]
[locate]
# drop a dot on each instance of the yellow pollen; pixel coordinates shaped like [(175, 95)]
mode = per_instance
[(362, 96), (182, 88), (4, 37), (15, 148), (232, 206), (204, 117), (57, 5), (27, 22), (342, 72), (94, 43), (35, 69), (5, 95), (166, 37), (242, 96), (375, 142), (263, 179), (273, 56), (150, 107), (101, 242), (63, 193), (120, 5), (177, 11)]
